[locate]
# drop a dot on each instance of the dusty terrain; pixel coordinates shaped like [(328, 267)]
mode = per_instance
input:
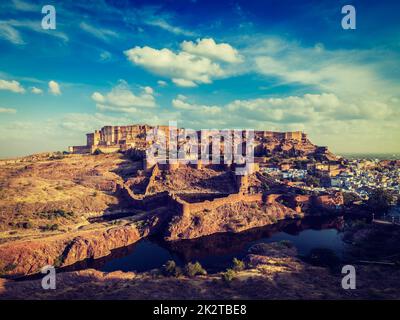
[(50, 213), (63, 190), (48, 202)]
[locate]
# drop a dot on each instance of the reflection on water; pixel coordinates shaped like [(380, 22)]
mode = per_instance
[(216, 252)]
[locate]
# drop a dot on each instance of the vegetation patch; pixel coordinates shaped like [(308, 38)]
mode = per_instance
[(170, 269), (194, 269), (50, 227), (228, 275)]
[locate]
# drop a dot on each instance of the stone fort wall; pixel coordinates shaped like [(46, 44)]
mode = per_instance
[(134, 136)]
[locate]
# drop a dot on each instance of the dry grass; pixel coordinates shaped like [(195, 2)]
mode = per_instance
[(81, 184)]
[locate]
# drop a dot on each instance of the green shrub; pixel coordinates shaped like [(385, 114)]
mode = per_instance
[(238, 265), (6, 269), (58, 261), (171, 269), (24, 225), (193, 269), (53, 214), (228, 275), (273, 219), (50, 227)]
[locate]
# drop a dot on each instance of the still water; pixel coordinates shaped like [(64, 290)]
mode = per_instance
[(215, 252)]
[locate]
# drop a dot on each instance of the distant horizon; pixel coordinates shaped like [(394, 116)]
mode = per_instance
[(82, 140)]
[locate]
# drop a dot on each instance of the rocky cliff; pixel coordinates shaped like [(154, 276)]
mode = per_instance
[(229, 217), (21, 258)]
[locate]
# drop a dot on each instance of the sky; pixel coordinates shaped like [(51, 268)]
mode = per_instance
[(265, 65)]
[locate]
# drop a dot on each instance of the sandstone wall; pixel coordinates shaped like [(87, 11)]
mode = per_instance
[(79, 149), (186, 208)]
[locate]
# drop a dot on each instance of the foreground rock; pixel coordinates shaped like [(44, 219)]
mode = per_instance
[(27, 257), (229, 217), (276, 276)]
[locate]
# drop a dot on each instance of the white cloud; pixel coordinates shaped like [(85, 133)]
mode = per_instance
[(98, 97), (208, 48), (327, 119), (100, 33), (149, 90), (85, 122), (184, 83), (14, 37), (54, 88), (25, 6), (122, 99), (196, 112), (162, 83), (179, 66), (7, 110), (12, 85), (10, 34), (163, 24), (105, 56), (305, 109), (35, 90), (347, 73)]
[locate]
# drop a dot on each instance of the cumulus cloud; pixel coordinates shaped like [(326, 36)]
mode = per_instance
[(327, 118), (85, 122), (209, 48), (195, 64), (35, 90), (54, 88), (7, 110), (305, 109), (181, 65), (347, 73), (122, 99), (12, 85), (184, 83)]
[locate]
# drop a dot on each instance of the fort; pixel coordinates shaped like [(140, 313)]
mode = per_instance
[(116, 138), (205, 196)]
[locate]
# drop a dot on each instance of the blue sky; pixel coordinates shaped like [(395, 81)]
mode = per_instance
[(273, 65)]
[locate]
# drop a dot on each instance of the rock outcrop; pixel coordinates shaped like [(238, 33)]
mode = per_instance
[(22, 258), (228, 217)]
